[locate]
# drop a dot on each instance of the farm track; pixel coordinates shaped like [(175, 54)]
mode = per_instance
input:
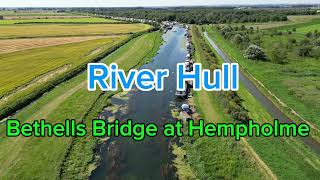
[(14, 45), (265, 101)]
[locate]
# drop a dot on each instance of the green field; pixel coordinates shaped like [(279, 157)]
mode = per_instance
[(58, 30), (50, 154), (295, 83), (282, 158), (64, 20), (292, 21)]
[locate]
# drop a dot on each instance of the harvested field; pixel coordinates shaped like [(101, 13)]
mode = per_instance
[(53, 19), (16, 72), (43, 17), (52, 30), (13, 45), (301, 19)]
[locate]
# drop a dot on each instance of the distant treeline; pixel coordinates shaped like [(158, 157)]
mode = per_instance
[(202, 15)]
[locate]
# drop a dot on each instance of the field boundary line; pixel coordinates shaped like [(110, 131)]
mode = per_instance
[(261, 163)]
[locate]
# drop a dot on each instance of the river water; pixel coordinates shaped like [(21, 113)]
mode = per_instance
[(124, 158)]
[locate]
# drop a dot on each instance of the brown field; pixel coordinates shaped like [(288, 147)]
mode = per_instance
[(13, 45), (41, 17), (52, 30), (303, 18)]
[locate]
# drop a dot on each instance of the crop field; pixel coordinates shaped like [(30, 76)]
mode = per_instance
[(55, 19), (33, 13), (17, 72), (58, 46), (52, 30), (44, 17), (49, 154), (13, 45)]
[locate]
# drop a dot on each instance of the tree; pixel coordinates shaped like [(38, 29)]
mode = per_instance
[(279, 55), (309, 34), (1, 18), (238, 39), (255, 52), (304, 51)]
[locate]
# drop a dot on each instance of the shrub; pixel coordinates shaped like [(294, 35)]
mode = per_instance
[(315, 52), (255, 52), (304, 51), (238, 39), (292, 41), (279, 55), (317, 42), (309, 34), (305, 42)]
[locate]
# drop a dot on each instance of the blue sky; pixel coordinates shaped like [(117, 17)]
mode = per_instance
[(130, 3)]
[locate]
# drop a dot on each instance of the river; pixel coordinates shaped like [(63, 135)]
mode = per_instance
[(124, 158)]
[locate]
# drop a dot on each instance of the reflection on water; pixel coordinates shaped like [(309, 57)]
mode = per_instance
[(124, 158)]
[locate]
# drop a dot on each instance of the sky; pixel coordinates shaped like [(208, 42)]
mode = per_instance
[(134, 3)]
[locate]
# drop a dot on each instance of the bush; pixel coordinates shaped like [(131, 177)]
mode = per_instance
[(238, 39), (292, 41), (317, 42), (279, 55), (305, 42), (1, 17), (255, 52), (315, 52), (309, 34), (304, 51)]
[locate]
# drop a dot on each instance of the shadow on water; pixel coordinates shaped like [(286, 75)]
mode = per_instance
[(124, 158)]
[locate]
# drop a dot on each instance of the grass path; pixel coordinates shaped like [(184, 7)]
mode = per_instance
[(263, 166), (207, 106), (46, 110)]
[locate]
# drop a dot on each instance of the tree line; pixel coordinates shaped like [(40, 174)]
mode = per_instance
[(201, 15)]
